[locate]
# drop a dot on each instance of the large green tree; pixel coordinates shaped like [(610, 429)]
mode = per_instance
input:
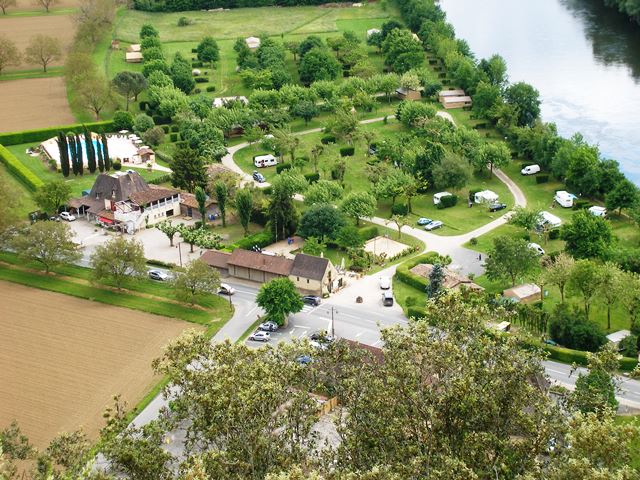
[(318, 64), (47, 243), (624, 195), (492, 155), (208, 51), (321, 221), (222, 196), (587, 236), (196, 280), (244, 207), (9, 53), (118, 260), (51, 196), (358, 205), (129, 85), (169, 229), (526, 100), (279, 298), (586, 280), (188, 170), (511, 259)]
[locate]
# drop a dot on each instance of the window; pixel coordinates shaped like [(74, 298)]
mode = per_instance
[(298, 278), (307, 280)]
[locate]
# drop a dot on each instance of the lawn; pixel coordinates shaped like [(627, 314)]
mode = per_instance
[(25, 200)]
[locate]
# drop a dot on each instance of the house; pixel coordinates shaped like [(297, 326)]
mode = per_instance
[(372, 31), (126, 202), (146, 155), (451, 280), (314, 275), (258, 267), (189, 206), (218, 260), (526, 293), (133, 57), (252, 42), (408, 94), (485, 196)]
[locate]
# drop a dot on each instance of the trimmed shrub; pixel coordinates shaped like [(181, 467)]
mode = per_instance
[(196, 64), (159, 120), (312, 177), (122, 120), (554, 234), (542, 179), (447, 202), (28, 136), (197, 90), (117, 165), (347, 151), (165, 128), (211, 88), (194, 50), (581, 204), (175, 128), (404, 275), (416, 312), (261, 239), (173, 137), (26, 176), (367, 233), (201, 80), (327, 139), (400, 209), (281, 167), (473, 241), (161, 179)]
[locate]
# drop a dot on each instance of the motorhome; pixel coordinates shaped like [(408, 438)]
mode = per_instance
[(261, 161), (564, 198)]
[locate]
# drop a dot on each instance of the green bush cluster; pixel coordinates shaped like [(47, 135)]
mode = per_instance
[(16, 167), (347, 151), (447, 201), (261, 239), (367, 233), (211, 88), (399, 209), (28, 136), (312, 177), (201, 80), (281, 167)]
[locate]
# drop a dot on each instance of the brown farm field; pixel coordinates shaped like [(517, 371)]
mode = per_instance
[(30, 5), (63, 358), (20, 29), (34, 103)]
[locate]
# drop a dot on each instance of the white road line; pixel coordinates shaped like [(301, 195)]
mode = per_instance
[(358, 334), (250, 312)]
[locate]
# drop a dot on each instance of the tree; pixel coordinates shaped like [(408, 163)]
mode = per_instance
[(122, 120), (526, 100), (129, 85), (117, 260), (282, 212), (279, 299), (313, 246), (188, 170), (89, 149), (436, 280), (244, 207), (492, 155), (4, 4), (43, 50), (154, 136), (95, 95), (630, 298), (306, 110), (510, 258), (53, 195), (400, 221), (9, 53), (558, 272), (401, 51), (359, 204), (496, 70), (197, 280), (485, 99), (169, 229), (208, 51), (142, 123), (624, 195), (181, 75), (201, 237), (201, 198), (586, 280), (105, 152), (587, 236), (48, 243), (529, 219), (294, 48), (46, 4), (321, 221), (393, 185), (427, 158), (323, 191), (222, 195), (387, 84), (344, 125), (595, 391), (611, 287), (450, 173), (349, 238)]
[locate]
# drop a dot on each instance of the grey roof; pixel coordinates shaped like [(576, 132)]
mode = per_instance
[(308, 266), (117, 187)]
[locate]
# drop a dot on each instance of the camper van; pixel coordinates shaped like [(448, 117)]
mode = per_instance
[(598, 211), (438, 196), (530, 170), (261, 161), (564, 199)]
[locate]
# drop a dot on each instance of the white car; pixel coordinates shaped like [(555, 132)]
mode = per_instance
[(536, 248), (158, 275), (385, 283), (226, 289), (433, 225), (67, 216), (260, 336)]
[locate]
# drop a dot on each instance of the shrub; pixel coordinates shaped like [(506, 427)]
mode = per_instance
[(347, 151), (173, 137), (581, 204), (153, 136), (281, 167), (211, 88), (196, 64), (175, 128), (122, 120), (194, 50), (473, 241), (184, 22), (143, 122), (542, 179), (327, 139), (554, 234), (416, 312), (399, 209), (261, 239), (447, 201), (197, 90), (267, 190), (16, 167), (201, 80), (367, 233), (117, 165), (159, 120), (161, 179), (165, 128), (29, 136), (571, 329), (312, 177)]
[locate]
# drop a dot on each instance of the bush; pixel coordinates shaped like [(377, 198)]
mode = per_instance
[(327, 139), (542, 179), (367, 233), (175, 128), (161, 179), (196, 64), (261, 239), (399, 209), (347, 151), (629, 346), (447, 202), (173, 137), (571, 329), (281, 167), (404, 275), (142, 123), (312, 177), (154, 136), (29, 136), (211, 88), (184, 22), (554, 234), (267, 190), (581, 204), (194, 50), (201, 80), (165, 128), (416, 312), (117, 165), (159, 120), (26, 176), (122, 120), (473, 241), (197, 90)]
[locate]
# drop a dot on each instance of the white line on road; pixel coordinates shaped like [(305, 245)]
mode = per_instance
[(250, 312)]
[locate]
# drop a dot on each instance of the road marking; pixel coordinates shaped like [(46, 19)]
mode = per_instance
[(379, 342), (358, 334), (250, 312)]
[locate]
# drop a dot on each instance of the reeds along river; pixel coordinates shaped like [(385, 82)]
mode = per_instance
[(583, 57)]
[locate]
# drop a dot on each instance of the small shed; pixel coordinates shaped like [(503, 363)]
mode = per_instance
[(407, 94), (134, 47), (372, 31), (146, 154), (133, 57), (252, 42), (526, 293), (485, 196), (458, 92), (456, 102)]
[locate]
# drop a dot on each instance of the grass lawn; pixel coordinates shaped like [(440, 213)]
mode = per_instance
[(402, 291), (26, 203)]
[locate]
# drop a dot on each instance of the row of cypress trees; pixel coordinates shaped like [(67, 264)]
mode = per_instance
[(72, 155)]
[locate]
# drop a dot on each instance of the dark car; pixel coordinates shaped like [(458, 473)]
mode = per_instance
[(311, 300), (387, 299), (494, 207), (258, 177)]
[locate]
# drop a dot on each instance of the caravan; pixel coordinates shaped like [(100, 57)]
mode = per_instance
[(485, 196), (261, 161), (548, 220), (438, 196), (564, 199)]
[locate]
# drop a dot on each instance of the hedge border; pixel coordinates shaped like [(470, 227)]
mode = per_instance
[(404, 275), (26, 136), (17, 168)]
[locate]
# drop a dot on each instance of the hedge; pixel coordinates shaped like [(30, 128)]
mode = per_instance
[(211, 88), (347, 151), (173, 137), (161, 179), (566, 355), (16, 167), (159, 120), (184, 5), (447, 201), (261, 239), (327, 139), (28, 136), (201, 80), (367, 233), (165, 128), (281, 167), (312, 177)]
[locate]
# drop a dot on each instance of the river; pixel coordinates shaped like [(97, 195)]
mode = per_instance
[(582, 57)]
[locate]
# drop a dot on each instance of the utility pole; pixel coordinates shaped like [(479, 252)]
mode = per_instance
[(180, 252), (333, 329)]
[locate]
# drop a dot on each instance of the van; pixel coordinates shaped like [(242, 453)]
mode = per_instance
[(564, 199), (387, 299), (530, 170), (262, 161), (385, 283)]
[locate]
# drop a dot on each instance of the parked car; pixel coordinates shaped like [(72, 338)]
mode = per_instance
[(530, 170), (494, 207), (322, 337), (433, 225), (387, 298), (304, 360), (385, 283), (258, 177), (226, 289), (536, 248), (54, 218), (424, 221), (268, 326), (260, 336), (67, 216), (158, 275), (312, 300), (373, 149)]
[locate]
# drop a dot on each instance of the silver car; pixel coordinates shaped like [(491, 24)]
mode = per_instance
[(260, 336), (433, 225)]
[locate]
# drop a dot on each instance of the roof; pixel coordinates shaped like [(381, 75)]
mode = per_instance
[(252, 42), (216, 258), (456, 99), (133, 56), (108, 214), (616, 337), (258, 261), (371, 31), (451, 279), (117, 187), (153, 194), (189, 200), (523, 291), (134, 47), (451, 93), (308, 266)]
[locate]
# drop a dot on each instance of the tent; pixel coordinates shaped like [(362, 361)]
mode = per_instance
[(485, 196)]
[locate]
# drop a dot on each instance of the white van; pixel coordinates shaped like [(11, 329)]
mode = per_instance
[(536, 248), (438, 196), (530, 170), (385, 283), (261, 161), (598, 211), (564, 198)]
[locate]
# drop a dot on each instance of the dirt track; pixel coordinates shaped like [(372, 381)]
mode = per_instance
[(34, 103), (63, 358)]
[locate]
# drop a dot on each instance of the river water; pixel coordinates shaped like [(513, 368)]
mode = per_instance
[(582, 57)]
